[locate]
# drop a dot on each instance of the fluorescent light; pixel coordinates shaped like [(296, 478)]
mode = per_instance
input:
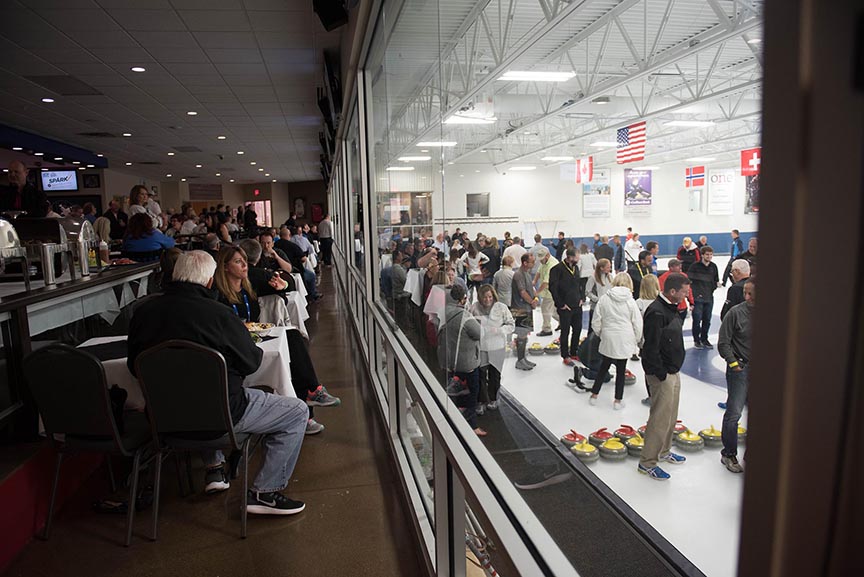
[(601, 100), (191, 113), (603, 144), (80, 168), (182, 180), (75, 162), (127, 134), (274, 180), (47, 100), (127, 164), (38, 153), (556, 158), (232, 180), (260, 170), (221, 137), (266, 174), (439, 143), (414, 158), (90, 166), (424, 151), (399, 168), (523, 168), (170, 154), (240, 152), (537, 76), (58, 158), (100, 155), (456, 119), (690, 123), (17, 148), (700, 159), (138, 69)]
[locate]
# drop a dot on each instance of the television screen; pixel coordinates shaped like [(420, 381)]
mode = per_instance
[(59, 180)]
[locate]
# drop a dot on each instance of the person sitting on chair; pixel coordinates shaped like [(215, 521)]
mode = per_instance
[(141, 237)]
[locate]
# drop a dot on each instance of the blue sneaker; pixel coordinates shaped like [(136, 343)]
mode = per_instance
[(655, 473), (673, 458), (722, 405)]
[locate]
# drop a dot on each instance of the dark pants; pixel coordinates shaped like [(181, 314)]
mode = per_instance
[(524, 326), (620, 368), (303, 377), (736, 391), (590, 321), (490, 383), (702, 320), (358, 260), (326, 250), (570, 320), (468, 403), (683, 315)]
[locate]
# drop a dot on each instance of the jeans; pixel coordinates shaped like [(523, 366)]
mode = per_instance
[(309, 280), (490, 384), (326, 250), (702, 320), (620, 369), (468, 403), (282, 421), (736, 391), (570, 321)]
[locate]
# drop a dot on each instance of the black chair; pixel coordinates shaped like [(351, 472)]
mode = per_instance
[(185, 386), (71, 393)]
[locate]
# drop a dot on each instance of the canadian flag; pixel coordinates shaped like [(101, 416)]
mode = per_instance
[(584, 170), (751, 161)]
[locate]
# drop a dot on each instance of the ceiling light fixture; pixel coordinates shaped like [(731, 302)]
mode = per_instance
[(456, 119), (100, 155), (170, 154), (414, 158), (424, 151), (127, 134), (80, 168), (182, 180), (218, 174), (601, 100), (58, 158), (399, 168), (437, 143), (191, 113), (253, 163), (138, 69), (47, 100), (274, 180), (168, 176), (38, 153), (221, 137), (197, 166), (754, 41), (266, 174), (523, 168), (17, 148), (90, 166), (231, 180), (260, 170), (690, 123), (127, 164), (75, 162), (556, 158), (536, 76), (603, 144), (240, 152), (700, 159)]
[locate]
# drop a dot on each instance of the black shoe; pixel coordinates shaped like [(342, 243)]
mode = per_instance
[(634, 357), (272, 504), (707, 345), (698, 345), (537, 478), (544, 334), (215, 480)]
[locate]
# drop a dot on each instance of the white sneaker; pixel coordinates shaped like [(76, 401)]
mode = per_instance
[(493, 405), (618, 405), (313, 427), (592, 401)]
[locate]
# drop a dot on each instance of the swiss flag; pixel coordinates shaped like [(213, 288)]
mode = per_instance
[(584, 170), (751, 161)]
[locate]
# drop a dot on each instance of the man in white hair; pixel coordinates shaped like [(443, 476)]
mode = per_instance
[(740, 273), (189, 311)]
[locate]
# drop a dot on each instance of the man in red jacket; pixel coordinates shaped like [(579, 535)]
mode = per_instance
[(686, 303)]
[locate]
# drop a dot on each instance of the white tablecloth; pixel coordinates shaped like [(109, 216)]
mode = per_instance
[(290, 312), (436, 303), (274, 372), (301, 288), (414, 285)]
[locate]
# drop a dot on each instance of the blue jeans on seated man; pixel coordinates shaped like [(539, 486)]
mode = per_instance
[(309, 280), (282, 421), (702, 311), (736, 391)]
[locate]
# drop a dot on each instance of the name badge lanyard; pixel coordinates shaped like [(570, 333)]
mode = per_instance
[(248, 308)]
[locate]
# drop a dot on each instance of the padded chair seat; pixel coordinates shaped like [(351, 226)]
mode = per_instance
[(137, 433), (200, 441)]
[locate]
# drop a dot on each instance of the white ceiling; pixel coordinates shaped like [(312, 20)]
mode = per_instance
[(249, 68)]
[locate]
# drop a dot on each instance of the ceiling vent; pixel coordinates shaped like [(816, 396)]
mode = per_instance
[(64, 85)]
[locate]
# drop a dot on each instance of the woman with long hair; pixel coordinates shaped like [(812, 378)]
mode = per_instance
[(240, 291), (142, 237), (220, 223), (497, 325), (619, 325), (597, 286), (138, 197), (473, 260)]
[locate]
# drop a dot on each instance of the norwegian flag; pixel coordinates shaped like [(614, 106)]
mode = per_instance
[(695, 176), (584, 170), (631, 143), (751, 161)]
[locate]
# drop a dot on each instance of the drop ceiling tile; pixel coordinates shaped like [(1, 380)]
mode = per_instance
[(284, 22), (207, 4), (129, 56), (181, 55), (297, 121), (136, 4), (24, 63), (245, 80), (235, 69), (66, 19), (237, 40), (128, 94), (277, 40), (256, 95), (295, 92), (164, 39), (234, 56), (290, 55), (282, 5), (202, 72), (103, 38), (262, 108), (205, 92), (225, 110), (215, 21), (42, 35), (100, 81), (148, 19), (286, 68), (59, 56)]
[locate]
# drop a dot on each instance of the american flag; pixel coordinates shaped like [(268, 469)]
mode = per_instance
[(631, 143), (695, 176)]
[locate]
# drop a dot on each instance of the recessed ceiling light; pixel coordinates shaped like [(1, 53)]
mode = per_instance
[(100, 155), (700, 159), (138, 69), (197, 166), (438, 143), (221, 137), (603, 144), (523, 168), (691, 123), (556, 158), (274, 180), (260, 170), (191, 113), (38, 153), (240, 152), (127, 134), (182, 180), (90, 166), (253, 163), (47, 100), (17, 148), (537, 76), (399, 168), (58, 158), (170, 154), (128, 164), (75, 162), (232, 180), (266, 174), (168, 176), (218, 174), (414, 158)]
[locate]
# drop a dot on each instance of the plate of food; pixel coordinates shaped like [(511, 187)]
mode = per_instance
[(260, 329)]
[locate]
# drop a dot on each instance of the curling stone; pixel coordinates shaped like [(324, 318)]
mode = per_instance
[(711, 436), (599, 437), (557, 341), (625, 432), (552, 349), (679, 428), (635, 445), (572, 438), (742, 433), (614, 450), (629, 378), (641, 430), (585, 452), (535, 349), (689, 441)]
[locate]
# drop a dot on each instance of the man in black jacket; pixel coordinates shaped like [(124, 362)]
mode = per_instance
[(705, 279), (118, 219), (566, 288), (662, 357), (740, 273), (619, 263), (603, 250), (21, 194), (639, 270), (188, 311)]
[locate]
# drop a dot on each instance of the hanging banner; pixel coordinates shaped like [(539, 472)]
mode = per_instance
[(597, 197), (751, 161), (721, 186), (637, 192), (751, 195)]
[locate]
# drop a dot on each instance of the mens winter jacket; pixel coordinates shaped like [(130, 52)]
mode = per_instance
[(688, 256), (703, 280), (618, 323), (663, 340), (460, 354), (566, 286), (735, 334), (605, 251)]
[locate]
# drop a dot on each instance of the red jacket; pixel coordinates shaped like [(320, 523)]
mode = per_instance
[(682, 306)]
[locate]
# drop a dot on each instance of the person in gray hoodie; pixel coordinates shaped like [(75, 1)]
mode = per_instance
[(459, 351), (734, 346)]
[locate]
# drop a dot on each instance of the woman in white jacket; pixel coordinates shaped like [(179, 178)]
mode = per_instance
[(496, 326), (618, 323)]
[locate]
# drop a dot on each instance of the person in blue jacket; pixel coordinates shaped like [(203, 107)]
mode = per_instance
[(142, 237), (735, 252)]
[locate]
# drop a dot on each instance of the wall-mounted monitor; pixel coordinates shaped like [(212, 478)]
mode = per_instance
[(59, 180)]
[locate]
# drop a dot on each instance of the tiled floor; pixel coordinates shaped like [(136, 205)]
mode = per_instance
[(354, 523)]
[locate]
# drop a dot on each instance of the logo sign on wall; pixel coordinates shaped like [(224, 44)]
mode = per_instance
[(721, 186), (597, 197), (637, 192)]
